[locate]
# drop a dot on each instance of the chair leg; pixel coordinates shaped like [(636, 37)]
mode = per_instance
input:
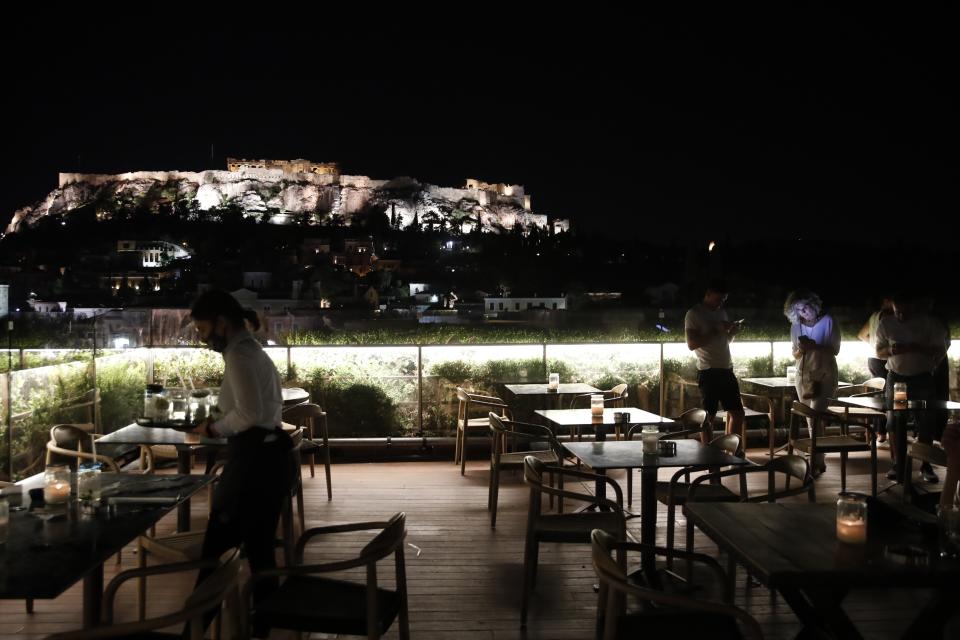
[(529, 570), (313, 454), (873, 468), (671, 515), (326, 467), (29, 604), (141, 582), (629, 487), (494, 495), (456, 447), (843, 471), (689, 550), (303, 526), (463, 454), (550, 480), (731, 579)]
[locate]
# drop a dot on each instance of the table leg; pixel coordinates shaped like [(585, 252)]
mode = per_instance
[(820, 612), (183, 509), (648, 517), (901, 426), (92, 597)]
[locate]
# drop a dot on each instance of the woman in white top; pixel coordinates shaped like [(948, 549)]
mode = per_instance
[(816, 343)]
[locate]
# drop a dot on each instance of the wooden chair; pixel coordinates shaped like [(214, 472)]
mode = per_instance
[(927, 453), (690, 422), (468, 403), (664, 615), (615, 398), (791, 467), (844, 444), (755, 408), (856, 415), (313, 419), (70, 443), (187, 546), (675, 491), (310, 601), (684, 386), (573, 528), (220, 588), (506, 432)]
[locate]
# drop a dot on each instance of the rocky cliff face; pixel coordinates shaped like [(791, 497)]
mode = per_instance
[(283, 198)]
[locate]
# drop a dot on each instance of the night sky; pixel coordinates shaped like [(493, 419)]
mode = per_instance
[(734, 126)]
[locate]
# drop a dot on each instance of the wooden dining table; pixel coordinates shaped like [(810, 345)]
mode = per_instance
[(49, 548)]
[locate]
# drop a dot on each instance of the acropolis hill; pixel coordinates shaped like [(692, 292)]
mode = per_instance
[(292, 192)]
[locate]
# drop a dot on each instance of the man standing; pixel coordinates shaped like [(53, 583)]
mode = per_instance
[(913, 343), (709, 333)]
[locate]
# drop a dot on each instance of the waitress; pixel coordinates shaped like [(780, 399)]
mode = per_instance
[(258, 474)]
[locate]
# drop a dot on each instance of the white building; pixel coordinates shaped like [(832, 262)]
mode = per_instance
[(492, 307), (154, 253)]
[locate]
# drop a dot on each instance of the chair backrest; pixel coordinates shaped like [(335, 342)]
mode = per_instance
[(69, 444), (612, 576), (729, 442), (298, 414), (222, 585), (616, 396), (876, 383), (390, 539), (852, 390), (533, 470), (806, 411), (792, 466), (580, 401), (503, 429)]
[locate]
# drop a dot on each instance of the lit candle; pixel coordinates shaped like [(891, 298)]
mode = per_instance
[(56, 484), (852, 518), (190, 437), (852, 531), (56, 493)]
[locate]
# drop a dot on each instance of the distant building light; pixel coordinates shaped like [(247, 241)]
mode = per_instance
[(711, 245)]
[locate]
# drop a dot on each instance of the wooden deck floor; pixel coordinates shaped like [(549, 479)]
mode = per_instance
[(466, 581)]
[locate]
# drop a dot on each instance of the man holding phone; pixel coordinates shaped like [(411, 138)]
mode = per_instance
[(709, 333)]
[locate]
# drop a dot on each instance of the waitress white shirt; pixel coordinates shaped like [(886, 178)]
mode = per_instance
[(250, 394)]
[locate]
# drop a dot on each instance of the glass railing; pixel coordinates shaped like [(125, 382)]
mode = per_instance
[(367, 391)]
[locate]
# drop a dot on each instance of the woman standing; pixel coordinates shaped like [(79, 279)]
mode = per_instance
[(816, 343), (259, 470)]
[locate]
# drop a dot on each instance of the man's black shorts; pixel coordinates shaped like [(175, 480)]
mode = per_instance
[(719, 386)]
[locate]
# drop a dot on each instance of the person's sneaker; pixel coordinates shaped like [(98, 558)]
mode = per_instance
[(928, 474), (892, 473)]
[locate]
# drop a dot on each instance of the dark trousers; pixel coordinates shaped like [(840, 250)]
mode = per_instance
[(248, 500)]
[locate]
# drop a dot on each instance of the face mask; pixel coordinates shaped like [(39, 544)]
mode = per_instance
[(217, 342)]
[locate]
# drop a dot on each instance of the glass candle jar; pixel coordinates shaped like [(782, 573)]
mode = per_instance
[(56, 484), (596, 404), (791, 374), (156, 405), (900, 393), (650, 436), (553, 382), (851, 519), (198, 405)]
